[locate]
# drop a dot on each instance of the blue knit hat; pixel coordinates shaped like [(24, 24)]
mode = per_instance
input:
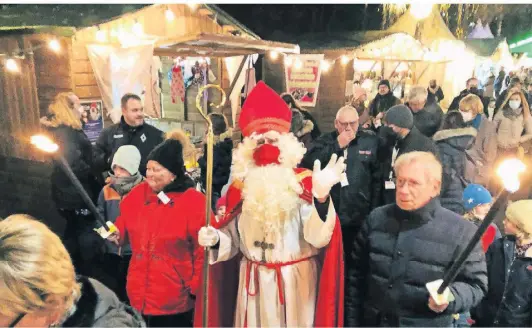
[(475, 195)]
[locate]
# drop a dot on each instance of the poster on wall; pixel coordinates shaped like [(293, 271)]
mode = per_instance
[(92, 117), (303, 78)]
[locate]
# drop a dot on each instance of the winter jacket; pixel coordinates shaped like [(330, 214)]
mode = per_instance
[(456, 101), (428, 120), (501, 99), (490, 235), (98, 306), (484, 151), (316, 132), (414, 141), (396, 253), (221, 168), (510, 129), (353, 202), (508, 302), (436, 97), (144, 137), (488, 88), (77, 151), (452, 146), (381, 104), (165, 268), (497, 86)]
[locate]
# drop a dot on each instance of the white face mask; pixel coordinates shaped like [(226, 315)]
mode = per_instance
[(467, 116), (514, 104)]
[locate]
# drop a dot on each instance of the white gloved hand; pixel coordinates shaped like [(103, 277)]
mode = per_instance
[(208, 236), (324, 180)]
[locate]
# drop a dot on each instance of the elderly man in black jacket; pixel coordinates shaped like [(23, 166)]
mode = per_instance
[(402, 247), (132, 130), (398, 136), (358, 194), (427, 116)]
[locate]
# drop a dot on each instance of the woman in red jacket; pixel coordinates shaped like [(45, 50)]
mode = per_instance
[(161, 218)]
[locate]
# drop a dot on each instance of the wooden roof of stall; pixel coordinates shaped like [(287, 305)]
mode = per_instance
[(202, 31)]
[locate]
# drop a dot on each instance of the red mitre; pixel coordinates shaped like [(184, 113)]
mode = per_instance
[(264, 110)]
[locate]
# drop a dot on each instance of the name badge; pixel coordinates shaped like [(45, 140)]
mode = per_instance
[(344, 181), (116, 136), (162, 196), (388, 185)]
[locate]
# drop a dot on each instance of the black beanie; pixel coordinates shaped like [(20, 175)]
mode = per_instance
[(400, 116), (169, 154), (386, 83)]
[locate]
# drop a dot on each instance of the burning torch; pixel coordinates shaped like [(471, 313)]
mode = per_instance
[(508, 171), (48, 146)]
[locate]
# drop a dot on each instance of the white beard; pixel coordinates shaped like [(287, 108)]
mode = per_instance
[(271, 196)]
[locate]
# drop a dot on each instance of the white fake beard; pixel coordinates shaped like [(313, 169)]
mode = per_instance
[(271, 196)]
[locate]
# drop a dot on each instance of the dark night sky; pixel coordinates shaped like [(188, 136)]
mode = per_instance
[(294, 19)]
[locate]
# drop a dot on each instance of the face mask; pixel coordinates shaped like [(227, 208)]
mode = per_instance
[(467, 116), (266, 154), (388, 133), (515, 104), (473, 90), (433, 86)]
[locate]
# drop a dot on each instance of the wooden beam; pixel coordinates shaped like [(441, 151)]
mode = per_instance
[(220, 53), (237, 75), (394, 70), (228, 28), (205, 12)]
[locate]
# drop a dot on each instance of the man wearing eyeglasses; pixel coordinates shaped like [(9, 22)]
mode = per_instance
[(358, 192)]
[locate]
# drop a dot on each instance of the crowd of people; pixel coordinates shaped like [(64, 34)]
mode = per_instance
[(310, 228)]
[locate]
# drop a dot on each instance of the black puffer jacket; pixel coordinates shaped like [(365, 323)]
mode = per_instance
[(221, 168), (456, 101), (414, 141), (77, 151), (508, 302), (382, 103), (396, 253), (144, 137), (428, 120), (452, 146), (100, 307), (355, 201)]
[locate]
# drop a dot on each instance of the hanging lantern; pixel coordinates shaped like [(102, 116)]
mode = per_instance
[(11, 65)]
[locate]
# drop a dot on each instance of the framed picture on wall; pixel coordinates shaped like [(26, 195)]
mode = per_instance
[(92, 118)]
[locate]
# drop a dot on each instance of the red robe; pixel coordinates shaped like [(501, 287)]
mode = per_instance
[(223, 282)]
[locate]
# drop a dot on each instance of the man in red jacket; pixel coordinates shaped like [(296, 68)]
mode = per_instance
[(282, 221)]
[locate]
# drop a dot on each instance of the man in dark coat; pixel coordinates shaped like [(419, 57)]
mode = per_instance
[(427, 116), (384, 99), (132, 130), (435, 93), (401, 247), (499, 81), (359, 194), (398, 136), (472, 88)]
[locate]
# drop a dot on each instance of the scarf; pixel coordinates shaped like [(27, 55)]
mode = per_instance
[(123, 185), (476, 122), (520, 250)]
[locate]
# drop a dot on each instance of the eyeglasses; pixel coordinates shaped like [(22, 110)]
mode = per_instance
[(346, 124)]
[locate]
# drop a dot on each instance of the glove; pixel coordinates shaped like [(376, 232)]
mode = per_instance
[(324, 180), (208, 236)]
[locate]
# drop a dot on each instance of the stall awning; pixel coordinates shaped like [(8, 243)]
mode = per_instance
[(219, 45)]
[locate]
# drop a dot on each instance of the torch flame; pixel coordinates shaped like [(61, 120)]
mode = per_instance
[(509, 171), (44, 144)]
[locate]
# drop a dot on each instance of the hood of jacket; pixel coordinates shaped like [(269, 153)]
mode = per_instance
[(459, 138), (98, 306)]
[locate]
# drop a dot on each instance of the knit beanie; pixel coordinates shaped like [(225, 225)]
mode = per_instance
[(400, 116), (169, 154), (386, 83), (128, 158), (221, 202), (519, 214), (475, 195)]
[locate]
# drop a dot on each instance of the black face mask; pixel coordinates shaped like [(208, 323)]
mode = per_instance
[(473, 90), (433, 86), (388, 133)]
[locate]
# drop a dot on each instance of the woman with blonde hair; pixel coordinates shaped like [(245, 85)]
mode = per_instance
[(39, 288), (63, 125), (484, 150)]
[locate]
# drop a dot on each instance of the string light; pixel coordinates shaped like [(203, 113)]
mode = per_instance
[(137, 28), (11, 65), (325, 65), (274, 54), (100, 35), (169, 14), (345, 60), (54, 45)]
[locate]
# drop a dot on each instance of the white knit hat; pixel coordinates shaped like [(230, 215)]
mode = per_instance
[(519, 214), (128, 158)]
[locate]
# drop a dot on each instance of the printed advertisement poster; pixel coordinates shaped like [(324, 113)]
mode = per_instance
[(92, 117), (303, 78)]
